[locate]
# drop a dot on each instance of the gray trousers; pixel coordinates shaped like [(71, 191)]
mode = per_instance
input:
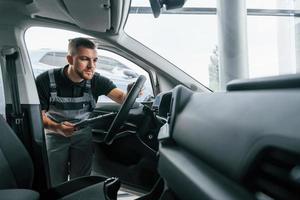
[(69, 156)]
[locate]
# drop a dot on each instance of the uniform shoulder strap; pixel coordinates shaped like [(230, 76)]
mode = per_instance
[(52, 82)]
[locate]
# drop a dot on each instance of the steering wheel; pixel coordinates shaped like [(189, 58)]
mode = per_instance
[(124, 110)]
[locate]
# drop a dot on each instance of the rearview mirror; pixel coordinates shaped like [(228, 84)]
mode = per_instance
[(156, 5)]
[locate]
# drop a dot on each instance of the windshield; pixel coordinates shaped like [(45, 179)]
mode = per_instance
[(188, 37)]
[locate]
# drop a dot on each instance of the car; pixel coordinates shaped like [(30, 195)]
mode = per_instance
[(219, 119), (105, 65)]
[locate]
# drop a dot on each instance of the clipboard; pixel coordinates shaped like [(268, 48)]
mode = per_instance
[(90, 121)]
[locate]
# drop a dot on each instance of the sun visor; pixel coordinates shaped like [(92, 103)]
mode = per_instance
[(90, 14), (93, 15)]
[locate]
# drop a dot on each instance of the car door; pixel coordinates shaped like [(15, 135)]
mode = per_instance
[(132, 156)]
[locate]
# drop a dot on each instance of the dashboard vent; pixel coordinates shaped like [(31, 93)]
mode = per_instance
[(275, 175)]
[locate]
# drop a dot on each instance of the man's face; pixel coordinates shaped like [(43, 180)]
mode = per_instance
[(84, 62)]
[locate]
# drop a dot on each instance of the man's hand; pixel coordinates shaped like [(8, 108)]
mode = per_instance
[(66, 129)]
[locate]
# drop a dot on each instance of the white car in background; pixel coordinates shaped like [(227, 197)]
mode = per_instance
[(119, 73)]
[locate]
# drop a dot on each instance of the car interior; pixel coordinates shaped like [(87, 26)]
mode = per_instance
[(184, 142)]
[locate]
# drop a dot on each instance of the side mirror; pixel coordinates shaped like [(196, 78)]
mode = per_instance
[(156, 5)]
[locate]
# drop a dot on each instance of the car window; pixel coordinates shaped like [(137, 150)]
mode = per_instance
[(123, 73), (188, 37), (54, 58), (45, 55), (59, 59), (185, 39)]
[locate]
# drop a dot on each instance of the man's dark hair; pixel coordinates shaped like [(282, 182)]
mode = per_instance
[(75, 43)]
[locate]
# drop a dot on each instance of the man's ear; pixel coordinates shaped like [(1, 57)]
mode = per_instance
[(70, 59)]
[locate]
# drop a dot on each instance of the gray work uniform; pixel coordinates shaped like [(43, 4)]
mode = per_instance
[(69, 155)]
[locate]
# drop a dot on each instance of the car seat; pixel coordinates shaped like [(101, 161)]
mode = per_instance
[(16, 176)]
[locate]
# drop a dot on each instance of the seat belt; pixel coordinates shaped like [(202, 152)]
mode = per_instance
[(16, 116)]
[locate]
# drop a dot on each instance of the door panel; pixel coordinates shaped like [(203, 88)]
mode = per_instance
[(127, 157)]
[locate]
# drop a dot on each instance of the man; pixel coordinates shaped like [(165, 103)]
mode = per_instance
[(67, 96)]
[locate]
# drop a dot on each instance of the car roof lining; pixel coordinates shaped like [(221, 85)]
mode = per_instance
[(100, 16)]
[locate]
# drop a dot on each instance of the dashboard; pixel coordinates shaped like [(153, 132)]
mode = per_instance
[(228, 138), (162, 104)]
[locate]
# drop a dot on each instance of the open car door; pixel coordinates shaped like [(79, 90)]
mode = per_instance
[(125, 141)]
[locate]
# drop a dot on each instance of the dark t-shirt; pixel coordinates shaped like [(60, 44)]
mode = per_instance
[(100, 85)]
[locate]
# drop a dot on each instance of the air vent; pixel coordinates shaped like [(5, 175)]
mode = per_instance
[(275, 175)]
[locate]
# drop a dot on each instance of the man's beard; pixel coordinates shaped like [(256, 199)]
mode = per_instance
[(81, 75)]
